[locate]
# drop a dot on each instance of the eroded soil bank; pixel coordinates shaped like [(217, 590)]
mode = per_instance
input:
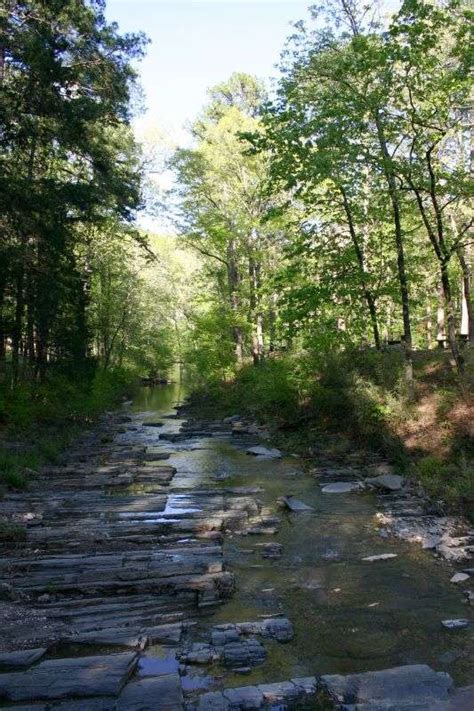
[(159, 568)]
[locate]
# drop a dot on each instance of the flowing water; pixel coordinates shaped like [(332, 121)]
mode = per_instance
[(349, 615), (127, 571)]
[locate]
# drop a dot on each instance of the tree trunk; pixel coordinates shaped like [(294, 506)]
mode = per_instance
[(402, 275), (233, 280), (368, 295), (466, 294), (256, 316), (17, 325), (450, 317)]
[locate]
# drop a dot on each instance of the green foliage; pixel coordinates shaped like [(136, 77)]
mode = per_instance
[(40, 419), (452, 481), (69, 166)]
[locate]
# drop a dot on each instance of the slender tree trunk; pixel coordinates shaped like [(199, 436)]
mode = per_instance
[(233, 280), (450, 317), (402, 275), (368, 295), (3, 335), (272, 317), (441, 320), (466, 293), (429, 327), (437, 238), (256, 316), (17, 325)]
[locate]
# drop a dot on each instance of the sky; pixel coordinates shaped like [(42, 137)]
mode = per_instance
[(196, 44)]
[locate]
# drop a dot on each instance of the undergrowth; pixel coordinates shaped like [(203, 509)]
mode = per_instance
[(38, 420), (359, 399)]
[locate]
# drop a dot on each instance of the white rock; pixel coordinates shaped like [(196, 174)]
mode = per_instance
[(294, 504), (382, 556), (341, 487), (458, 624), (459, 578)]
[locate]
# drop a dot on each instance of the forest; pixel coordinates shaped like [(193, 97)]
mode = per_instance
[(319, 266), (236, 359)]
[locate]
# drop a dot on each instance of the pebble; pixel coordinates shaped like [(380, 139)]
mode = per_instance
[(458, 624), (459, 578)]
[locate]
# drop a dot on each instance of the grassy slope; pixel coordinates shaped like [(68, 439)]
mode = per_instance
[(38, 420), (358, 399)]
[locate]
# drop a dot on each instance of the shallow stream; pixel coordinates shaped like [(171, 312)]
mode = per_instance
[(349, 615)]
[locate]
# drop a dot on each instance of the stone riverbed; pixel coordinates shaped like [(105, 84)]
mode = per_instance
[(165, 566)]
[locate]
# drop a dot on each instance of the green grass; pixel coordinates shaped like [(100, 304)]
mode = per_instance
[(38, 420)]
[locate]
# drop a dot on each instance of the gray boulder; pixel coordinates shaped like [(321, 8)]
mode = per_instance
[(414, 686), (389, 482)]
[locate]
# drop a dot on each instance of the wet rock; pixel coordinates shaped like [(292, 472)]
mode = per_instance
[(279, 628), (239, 428), (470, 597), (260, 451), (430, 542), (153, 424), (160, 692), (388, 482), (21, 659), (457, 624), (462, 699), (270, 550), (257, 697), (212, 701), (341, 487), (199, 653), (452, 553), (245, 697), (294, 504), (459, 578), (381, 556), (74, 677), (231, 420), (243, 653), (415, 686)]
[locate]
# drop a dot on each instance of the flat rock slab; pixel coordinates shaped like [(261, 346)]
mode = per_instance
[(396, 689), (389, 482), (382, 556), (266, 452), (161, 693), (92, 705), (458, 624), (341, 487), (256, 697), (73, 677), (462, 699), (459, 578), (21, 659), (294, 504)]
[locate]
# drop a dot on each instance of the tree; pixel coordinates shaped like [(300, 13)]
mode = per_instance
[(67, 161)]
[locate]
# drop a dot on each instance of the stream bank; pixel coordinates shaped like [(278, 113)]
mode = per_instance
[(163, 574)]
